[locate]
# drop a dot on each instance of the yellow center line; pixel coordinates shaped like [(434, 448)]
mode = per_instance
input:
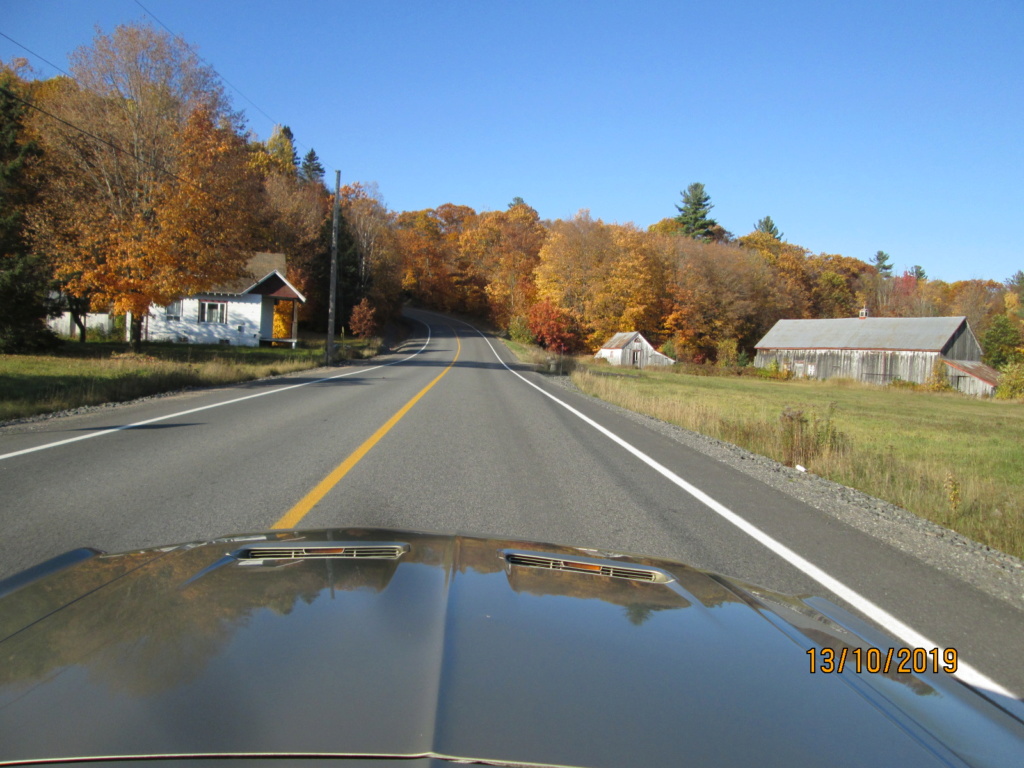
[(300, 510)]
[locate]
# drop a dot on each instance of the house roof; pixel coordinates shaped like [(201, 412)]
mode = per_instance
[(929, 334), (620, 340), (977, 370), (259, 266)]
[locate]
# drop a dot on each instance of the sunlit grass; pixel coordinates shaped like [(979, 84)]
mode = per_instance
[(77, 375), (955, 460)]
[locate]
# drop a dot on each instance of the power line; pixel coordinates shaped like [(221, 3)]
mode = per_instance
[(28, 50), (181, 40), (100, 139), (104, 141)]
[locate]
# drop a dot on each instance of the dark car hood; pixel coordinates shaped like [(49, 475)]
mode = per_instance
[(451, 650)]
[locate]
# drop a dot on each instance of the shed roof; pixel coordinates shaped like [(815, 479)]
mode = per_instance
[(978, 370), (274, 284), (620, 340), (929, 334), (258, 267)]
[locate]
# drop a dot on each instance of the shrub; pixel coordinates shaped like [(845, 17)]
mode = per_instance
[(1011, 382), (519, 330), (726, 352), (363, 321)]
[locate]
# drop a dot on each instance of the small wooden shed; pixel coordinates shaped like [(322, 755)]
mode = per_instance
[(876, 349), (631, 349)]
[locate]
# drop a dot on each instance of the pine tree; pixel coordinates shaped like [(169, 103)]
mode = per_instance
[(312, 169), (767, 226), (882, 264), (693, 213), (24, 279)]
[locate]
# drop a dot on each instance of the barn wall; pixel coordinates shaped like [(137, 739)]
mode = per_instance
[(969, 385), (873, 366), (963, 345)]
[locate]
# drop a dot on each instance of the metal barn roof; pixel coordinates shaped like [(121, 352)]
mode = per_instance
[(897, 333), (620, 340), (978, 370)]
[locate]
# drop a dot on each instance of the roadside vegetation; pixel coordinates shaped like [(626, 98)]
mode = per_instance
[(951, 459), (77, 375)]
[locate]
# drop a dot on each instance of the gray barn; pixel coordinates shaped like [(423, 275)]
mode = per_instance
[(872, 349)]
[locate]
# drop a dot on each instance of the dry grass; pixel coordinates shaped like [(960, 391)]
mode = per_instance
[(955, 460), (78, 375)]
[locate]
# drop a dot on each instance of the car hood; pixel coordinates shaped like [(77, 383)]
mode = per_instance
[(400, 645)]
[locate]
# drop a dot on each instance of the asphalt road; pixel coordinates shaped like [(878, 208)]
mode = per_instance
[(449, 434)]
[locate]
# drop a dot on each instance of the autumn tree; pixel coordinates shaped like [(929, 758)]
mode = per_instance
[(552, 327), (693, 217), (505, 246), (24, 275), (630, 292), (374, 250), (147, 191), (572, 263), (363, 322), (281, 148), (720, 293)]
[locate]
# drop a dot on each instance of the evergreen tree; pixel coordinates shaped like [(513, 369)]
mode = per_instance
[(918, 272), (693, 213), (312, 169), (1015, 283), (24, 278), (1002, 342), (767, 226), (881, 262)]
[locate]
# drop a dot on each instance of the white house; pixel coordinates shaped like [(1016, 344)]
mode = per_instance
[(240, 313), (631, 349)]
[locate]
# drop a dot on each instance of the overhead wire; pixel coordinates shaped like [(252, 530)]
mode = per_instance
[(111, 144), (100, 139), (181, 40)]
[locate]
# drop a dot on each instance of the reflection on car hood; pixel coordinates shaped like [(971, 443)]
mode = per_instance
[(401, 645)]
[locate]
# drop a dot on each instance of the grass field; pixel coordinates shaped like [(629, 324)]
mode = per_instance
[(955, 460), (100, 372)]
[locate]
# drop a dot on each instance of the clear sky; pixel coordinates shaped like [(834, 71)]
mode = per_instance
[(857, 126)]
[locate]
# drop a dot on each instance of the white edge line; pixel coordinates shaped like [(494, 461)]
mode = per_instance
[(965, 672), (133, 425)]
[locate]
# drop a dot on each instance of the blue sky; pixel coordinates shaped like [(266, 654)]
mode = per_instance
[(856, 126)]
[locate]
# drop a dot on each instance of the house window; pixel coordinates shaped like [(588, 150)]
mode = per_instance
[(173, 311), (213, 312)]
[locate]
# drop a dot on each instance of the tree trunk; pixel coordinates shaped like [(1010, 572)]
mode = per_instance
[(79, 320), (135, 343)]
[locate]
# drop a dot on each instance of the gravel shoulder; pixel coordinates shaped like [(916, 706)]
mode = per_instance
[(992, 571)]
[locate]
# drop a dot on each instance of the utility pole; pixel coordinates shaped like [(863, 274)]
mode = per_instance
[(329, 346)]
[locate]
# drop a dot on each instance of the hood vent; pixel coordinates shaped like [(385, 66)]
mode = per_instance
[(586, 565), (322, 550)]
